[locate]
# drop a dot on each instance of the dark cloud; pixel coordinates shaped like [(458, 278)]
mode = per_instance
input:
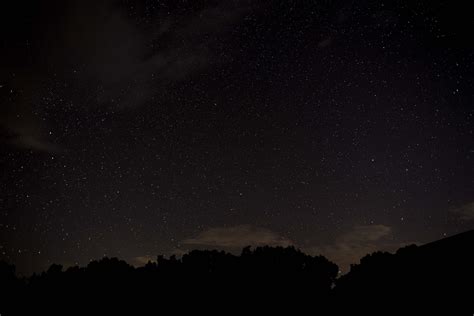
[(102, 54), (107, 44)]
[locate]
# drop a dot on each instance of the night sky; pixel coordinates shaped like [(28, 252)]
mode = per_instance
[(138, 128)]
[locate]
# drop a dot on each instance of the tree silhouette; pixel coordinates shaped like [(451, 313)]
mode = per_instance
[(433, 277)]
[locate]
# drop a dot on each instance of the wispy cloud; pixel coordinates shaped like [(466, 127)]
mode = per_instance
[(351, 246), (108, 58), (142, 260), (465, 212), (129, 61), (34, 143), (347, 249), (21, 129), (238, 237)]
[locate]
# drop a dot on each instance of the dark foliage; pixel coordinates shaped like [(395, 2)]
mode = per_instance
[(436, 277), (208, 278)]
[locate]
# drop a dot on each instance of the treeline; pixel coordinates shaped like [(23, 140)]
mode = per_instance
[(434, 277)]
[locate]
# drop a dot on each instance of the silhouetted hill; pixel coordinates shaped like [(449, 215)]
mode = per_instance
[(454, 245), (436, 277)]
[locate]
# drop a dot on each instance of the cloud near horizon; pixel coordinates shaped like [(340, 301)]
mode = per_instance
[(465, 212), (238, 237), (142, 260), (347, 249), (353, 245)]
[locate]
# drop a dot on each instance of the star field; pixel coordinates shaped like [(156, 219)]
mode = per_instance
[(138, 128)]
